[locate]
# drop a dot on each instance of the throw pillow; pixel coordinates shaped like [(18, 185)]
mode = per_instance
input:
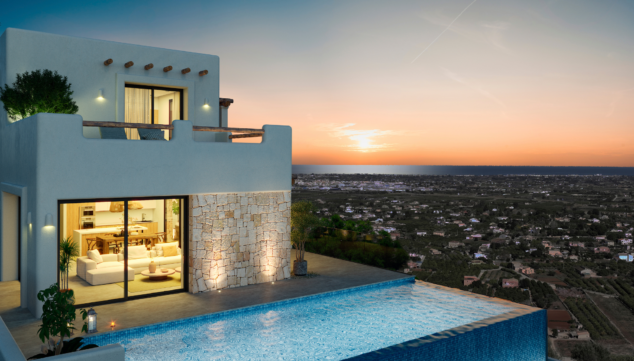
[(95, 256), (169, 251), (159, 247)]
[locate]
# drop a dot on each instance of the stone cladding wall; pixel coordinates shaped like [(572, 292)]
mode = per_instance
[(238, 239)]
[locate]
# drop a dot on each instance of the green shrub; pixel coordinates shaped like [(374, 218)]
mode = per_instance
[(40, 91)]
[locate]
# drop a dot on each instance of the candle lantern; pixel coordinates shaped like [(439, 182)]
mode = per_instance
[(92, 321)]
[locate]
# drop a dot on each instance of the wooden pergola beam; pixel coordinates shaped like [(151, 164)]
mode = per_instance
[(149, 66), (129, 64), (186, 70), (203, 72), (107, 62), (252, 135), (89, 123), (167, 68)]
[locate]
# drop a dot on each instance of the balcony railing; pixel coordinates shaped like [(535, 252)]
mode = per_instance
[(244, 132)]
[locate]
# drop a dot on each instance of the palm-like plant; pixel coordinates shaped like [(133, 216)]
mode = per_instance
[(68, 251), (303, 222)]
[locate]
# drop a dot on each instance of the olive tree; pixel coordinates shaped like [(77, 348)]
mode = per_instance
[(39, 91)]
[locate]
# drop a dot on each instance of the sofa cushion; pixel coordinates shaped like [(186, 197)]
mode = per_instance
[(95, 256), (159, 247), (108, 275), (108, 265), (168, 260), (138, 263), (136, 252)]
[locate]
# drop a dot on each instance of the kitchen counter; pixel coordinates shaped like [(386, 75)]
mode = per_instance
[(79, 234)]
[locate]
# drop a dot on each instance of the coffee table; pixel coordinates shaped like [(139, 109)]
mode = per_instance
[(177, 269), (158, 275)]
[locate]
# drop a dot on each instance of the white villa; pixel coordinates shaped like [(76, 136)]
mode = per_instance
[(144, 176)]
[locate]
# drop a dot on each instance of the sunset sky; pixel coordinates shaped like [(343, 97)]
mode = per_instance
[(427, 82)]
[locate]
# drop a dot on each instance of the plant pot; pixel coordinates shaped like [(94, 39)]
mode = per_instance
[(152, 267), (300, 268)]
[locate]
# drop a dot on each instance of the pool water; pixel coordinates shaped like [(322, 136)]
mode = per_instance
[(335, 326)]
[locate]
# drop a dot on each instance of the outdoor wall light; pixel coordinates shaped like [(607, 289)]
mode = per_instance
[(100, 95), (28, 219), (48, 220), (92, 321), (206, 105), (112, 325)]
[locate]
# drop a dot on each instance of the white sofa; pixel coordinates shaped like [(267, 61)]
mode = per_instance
[(107, 271)]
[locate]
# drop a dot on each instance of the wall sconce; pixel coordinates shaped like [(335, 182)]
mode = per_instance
[(28, 219), (112, 325), (206, 105), (48, 220), (92, 321), (100, 95)]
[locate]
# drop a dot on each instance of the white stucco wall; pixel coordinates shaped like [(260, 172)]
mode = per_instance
[(81, 60), (45, 152)]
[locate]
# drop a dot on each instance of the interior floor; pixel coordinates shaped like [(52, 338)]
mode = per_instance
[(87, 293)]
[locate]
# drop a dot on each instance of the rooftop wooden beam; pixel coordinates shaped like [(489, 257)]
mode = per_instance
[(186, 70), (129, 64), (107, 62), (203, 72), (252, 135), (225, 102), (149, 66), (224, 129), (167, 68)]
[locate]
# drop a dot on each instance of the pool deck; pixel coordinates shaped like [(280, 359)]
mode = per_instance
[(330, 275)]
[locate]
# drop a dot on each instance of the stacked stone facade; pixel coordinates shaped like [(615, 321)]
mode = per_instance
[(238, 239)]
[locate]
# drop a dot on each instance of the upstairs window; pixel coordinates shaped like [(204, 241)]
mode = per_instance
[(152, 105)]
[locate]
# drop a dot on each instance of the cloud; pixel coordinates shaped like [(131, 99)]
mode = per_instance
[(447, 28), (455, 77), (364, 141), (494, 33)]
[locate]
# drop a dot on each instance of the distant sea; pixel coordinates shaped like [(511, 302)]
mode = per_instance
[(460, 170)]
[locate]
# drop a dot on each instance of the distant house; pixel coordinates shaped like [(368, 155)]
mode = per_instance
[(602, 249), (573, 257), (435, 251), (455, 244), (473, 220), (625, 241), (439, 233), (510, 283), (546, 244), (468, 280), (527, 270), (421, 233), (577, 244), (476, 236), (479, 255), (555, 252)]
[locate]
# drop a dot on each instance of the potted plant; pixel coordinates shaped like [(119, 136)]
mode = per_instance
[(303, 223), (58, 314), (68, 252)]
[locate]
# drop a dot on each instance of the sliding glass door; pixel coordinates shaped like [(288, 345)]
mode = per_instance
[(152, 105), (126, 248)]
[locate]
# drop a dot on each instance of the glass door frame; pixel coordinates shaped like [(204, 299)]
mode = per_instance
[(184, 228), (152, 88)]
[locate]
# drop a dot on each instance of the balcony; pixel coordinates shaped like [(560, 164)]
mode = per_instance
[(49, 152)]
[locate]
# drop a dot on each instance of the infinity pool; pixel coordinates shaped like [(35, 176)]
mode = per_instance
[(332, 326)]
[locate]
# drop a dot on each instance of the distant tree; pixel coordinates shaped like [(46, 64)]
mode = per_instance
[(40, 91)]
